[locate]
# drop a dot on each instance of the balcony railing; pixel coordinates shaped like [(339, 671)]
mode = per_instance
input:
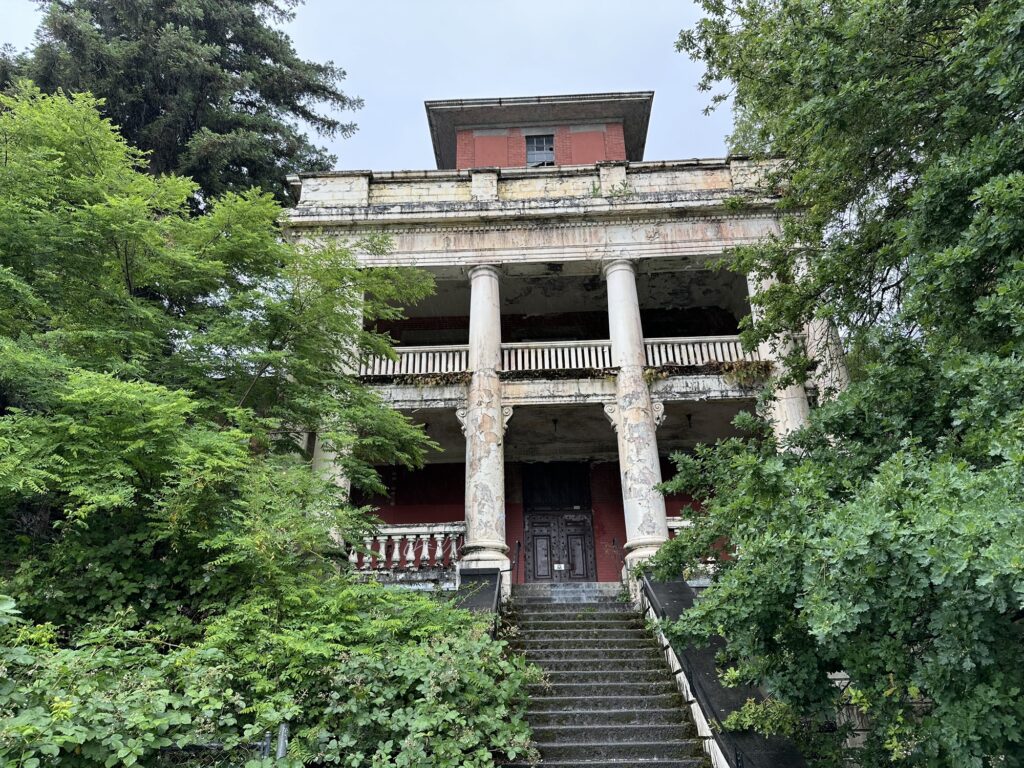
[(561, 356), (410, 548), (419, 360), (695, 350), (556, 356), (675, 524)]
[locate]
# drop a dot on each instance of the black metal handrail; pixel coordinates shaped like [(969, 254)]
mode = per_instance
[(496, 604), (739, 757), (514, 570)]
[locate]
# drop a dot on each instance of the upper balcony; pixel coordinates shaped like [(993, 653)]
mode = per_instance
[(560, 358)]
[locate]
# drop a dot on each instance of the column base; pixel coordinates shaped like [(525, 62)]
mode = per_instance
[(642, 549), (496, 562)]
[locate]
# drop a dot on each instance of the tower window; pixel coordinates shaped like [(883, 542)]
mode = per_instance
[(540, 150)]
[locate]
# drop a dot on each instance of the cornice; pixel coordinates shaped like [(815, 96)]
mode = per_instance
[(551, 224)]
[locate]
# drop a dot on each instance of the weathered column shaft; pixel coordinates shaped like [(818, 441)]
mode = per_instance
[(632, 415), (484, 425), (788, 410)]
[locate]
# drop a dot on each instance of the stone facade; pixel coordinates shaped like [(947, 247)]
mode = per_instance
[(573, 263)]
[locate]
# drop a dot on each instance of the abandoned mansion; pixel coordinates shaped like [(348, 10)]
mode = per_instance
[(581, 332)]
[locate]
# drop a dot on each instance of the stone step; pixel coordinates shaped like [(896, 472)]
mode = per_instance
[(618, 716), (623, 621), (577, 690), (611, 734), (584, 717), (596, 632), (629, 752), (569, 615), (571, 587), (539, 654), (598, 603), (643, 663), (583, 643), (544, 702), (531, 609), (605, 676)]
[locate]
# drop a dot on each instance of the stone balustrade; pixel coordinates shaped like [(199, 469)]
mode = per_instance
[(413, 547), (696, 350), (419, 360), (556, 356), (561, 356), (675, 524)]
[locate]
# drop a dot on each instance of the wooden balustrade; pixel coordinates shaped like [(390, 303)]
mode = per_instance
[(411, 547), (560, 356)]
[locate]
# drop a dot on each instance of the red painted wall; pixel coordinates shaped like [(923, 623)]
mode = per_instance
[(490, 149), (609, 524), (514, 516), (588, 147), (436, 494), (615, 141)]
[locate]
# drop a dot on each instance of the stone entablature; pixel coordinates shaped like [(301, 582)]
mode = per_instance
[(357, 197), (588, 391)]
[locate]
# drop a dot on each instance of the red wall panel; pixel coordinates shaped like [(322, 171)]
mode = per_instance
[(609, 523), (490, 151), (588, 147), (508, 150), (516, 148), (615, 142), (434, 494), (464, 149)]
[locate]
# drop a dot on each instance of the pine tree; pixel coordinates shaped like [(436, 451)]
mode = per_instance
[(211, 89)]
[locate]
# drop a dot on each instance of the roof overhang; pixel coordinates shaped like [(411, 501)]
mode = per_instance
[(446, 117)]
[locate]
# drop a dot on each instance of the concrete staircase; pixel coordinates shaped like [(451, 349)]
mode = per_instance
[(610, 700)]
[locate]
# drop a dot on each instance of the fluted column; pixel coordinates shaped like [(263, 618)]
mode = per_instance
[(483, 421), (788, 410), (633, 417)]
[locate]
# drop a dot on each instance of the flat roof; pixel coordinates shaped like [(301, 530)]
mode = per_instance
[(632, 108)]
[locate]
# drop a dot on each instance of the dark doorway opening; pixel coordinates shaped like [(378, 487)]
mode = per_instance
[(558, 524)]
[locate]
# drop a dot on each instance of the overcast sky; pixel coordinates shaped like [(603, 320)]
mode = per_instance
[(399, 53)]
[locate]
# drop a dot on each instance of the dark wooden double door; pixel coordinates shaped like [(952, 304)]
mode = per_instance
[(558, 524)]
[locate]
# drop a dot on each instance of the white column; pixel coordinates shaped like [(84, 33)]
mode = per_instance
[(633, 417), (788, 409), (824, 346), (484, 422)]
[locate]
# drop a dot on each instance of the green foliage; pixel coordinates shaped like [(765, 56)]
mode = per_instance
[(366, 676), (883, 540), (168, 568), (210, 89)]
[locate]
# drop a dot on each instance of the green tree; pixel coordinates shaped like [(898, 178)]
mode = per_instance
[(883, 540), (210, 89), (164, 540)]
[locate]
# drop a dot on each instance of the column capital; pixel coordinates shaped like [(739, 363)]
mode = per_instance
[(611, 410), (658, 411), (506, 414), (616, 264), (483, 269)]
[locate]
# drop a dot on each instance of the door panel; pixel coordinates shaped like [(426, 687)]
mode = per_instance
[(577, 558), (542, 557), (541, 547), (559, 547)]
